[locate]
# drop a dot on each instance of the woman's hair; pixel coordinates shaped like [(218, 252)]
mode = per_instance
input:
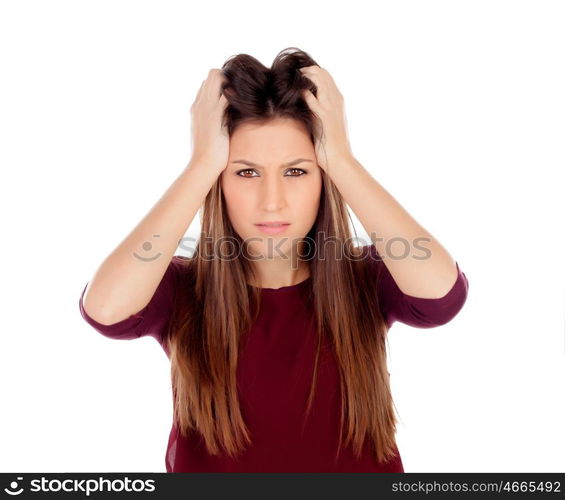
[(215, 306)]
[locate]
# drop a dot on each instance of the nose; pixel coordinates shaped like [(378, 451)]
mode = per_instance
[(272, 193)]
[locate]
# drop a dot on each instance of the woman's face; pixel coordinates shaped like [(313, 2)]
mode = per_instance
[(269, 190)]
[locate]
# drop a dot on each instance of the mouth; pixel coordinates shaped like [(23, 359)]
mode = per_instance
[(273, 227)]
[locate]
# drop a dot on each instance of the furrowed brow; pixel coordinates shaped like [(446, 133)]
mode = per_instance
[(288, 164)]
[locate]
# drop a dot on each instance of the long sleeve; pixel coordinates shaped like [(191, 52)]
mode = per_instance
[(416, 311), (152, 320)]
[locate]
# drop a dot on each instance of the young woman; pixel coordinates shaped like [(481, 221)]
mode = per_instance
[(276, 325)]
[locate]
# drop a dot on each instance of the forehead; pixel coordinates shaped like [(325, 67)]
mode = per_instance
[(280, 136)]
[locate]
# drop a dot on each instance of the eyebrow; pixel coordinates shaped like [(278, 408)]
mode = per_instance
[(288, 164)]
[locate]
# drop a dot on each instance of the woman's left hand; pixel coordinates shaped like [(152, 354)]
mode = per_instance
[(332, 142)]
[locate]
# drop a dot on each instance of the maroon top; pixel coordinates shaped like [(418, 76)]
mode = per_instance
[(274, 375)]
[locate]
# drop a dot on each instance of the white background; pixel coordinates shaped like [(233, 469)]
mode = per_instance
[(457, 108)]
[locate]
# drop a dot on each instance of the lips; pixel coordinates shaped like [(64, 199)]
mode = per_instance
[(273, 227), (276, 223)]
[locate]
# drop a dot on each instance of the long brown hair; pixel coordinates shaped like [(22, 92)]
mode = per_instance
[(215, 306)]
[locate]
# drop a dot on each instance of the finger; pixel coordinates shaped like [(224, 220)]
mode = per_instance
[(200, 89), (212, 82), (316, 80), (309, 95), (222, 82), (310, 99), (217, 81), (198, 94)]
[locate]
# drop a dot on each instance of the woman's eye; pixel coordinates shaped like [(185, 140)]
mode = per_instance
[(298, 170), (246, 170), (290, 170)]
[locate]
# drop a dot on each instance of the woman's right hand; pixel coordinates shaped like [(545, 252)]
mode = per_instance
[(210, 139)]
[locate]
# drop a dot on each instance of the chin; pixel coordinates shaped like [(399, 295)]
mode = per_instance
[(267, 246)]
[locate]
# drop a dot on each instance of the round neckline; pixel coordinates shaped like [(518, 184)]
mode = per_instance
[(283, 289)]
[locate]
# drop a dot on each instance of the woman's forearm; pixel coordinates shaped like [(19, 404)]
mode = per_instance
[(428, 273), (127, 279)]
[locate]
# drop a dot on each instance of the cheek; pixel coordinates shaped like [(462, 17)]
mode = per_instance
[(237, 202), (307, 198), (229, 191)]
